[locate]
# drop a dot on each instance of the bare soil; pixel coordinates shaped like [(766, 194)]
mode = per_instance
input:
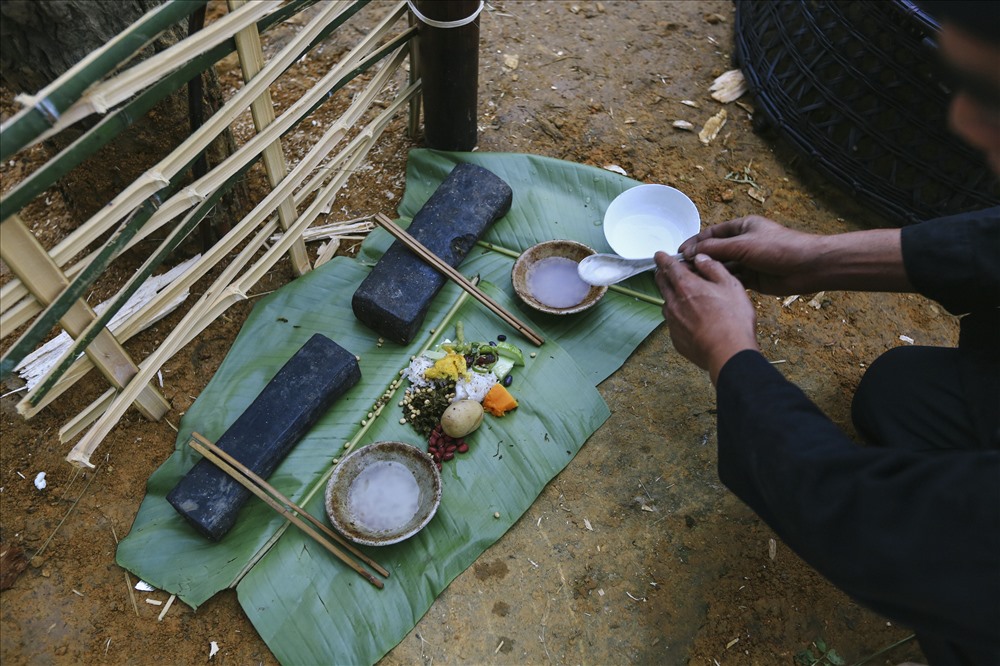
[(635, 553)]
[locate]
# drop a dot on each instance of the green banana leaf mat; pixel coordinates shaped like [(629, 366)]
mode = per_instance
[(309, 607)]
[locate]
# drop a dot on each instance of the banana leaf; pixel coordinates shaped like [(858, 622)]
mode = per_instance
[(307, 606)]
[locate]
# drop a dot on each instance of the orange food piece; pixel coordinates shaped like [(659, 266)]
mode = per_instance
[(499, 401)]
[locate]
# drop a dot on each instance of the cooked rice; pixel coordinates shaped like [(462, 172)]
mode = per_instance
[(415, 371), (474, 386)]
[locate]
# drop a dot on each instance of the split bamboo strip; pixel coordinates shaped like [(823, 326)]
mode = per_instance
[(106, 94), (119, 120), (212, 181), (91, 413), (32, 402), (34, 398), (328, 252), (225, 291), (75, 289), (154, 179), (335, 229), (43, 108), (22, 251), (251, 56)]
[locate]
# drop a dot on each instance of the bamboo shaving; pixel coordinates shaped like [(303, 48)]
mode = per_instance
[(729, 87), (163, 612), (131, 594), (35, 365), (713, 127)]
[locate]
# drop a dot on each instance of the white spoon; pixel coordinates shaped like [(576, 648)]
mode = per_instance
[(601, 270)]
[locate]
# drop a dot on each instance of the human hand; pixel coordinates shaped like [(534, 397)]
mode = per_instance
[(707, 310), (762, 254)]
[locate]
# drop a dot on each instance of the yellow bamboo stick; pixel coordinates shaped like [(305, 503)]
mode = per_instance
[(27, 258), (251, 57)]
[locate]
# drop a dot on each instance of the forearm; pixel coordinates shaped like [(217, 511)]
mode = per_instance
[(869, 260)]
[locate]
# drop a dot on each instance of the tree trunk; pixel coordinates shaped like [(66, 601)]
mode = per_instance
[(41, 40)]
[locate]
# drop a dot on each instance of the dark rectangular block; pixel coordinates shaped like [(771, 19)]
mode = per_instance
[(394, 298), (288, 406)]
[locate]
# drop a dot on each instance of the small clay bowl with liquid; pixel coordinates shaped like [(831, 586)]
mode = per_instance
[(383, 493), (546, 279)]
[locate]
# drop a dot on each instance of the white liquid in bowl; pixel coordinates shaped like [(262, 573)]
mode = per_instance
[(555, 282), (639, 236), (384, 497)]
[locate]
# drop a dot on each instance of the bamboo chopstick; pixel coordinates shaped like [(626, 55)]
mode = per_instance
[(435, 261), (274, 499)]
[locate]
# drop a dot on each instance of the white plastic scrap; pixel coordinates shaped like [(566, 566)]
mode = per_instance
[(143, 586), (40, 481), (616, 169), (213, 649), (907, 339)]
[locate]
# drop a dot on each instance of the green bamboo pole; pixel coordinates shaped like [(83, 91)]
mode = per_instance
[(307, 166), (170, 166), (58, 96), (121, 119), (129, 81)]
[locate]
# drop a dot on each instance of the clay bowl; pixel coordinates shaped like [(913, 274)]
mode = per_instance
[(383, 493), (553, 286)]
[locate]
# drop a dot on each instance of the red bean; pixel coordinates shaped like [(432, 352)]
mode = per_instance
[(463, 448), (448, 456)]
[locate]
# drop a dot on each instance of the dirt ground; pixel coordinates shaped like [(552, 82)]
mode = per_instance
[(635, 553)]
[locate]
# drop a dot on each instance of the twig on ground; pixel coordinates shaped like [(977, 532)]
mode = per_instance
[(131, 594), (885, 649)]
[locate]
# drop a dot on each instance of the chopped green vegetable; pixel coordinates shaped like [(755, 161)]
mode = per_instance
[(510, 351), (502, 367)]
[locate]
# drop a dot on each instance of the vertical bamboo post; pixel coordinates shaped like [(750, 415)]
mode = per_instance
[(413, 121), (449, 71), (251, 57)]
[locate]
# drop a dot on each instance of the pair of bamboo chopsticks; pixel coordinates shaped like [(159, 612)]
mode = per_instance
[(443, 267), (284, 506)]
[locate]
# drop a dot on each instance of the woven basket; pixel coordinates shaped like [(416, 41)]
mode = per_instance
[(852, 86)]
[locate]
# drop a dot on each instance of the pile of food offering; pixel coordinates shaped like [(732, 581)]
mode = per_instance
[(453, 385)]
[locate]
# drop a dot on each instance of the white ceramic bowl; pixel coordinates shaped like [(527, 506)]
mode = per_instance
[(648, 218)]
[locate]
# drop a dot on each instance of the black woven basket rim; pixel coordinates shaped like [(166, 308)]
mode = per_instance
[(899, 201)]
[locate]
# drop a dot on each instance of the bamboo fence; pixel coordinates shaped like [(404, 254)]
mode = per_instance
[(51, 284)]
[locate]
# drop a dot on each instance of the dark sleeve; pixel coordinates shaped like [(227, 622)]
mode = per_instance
[(915, 536), (955, 260)]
